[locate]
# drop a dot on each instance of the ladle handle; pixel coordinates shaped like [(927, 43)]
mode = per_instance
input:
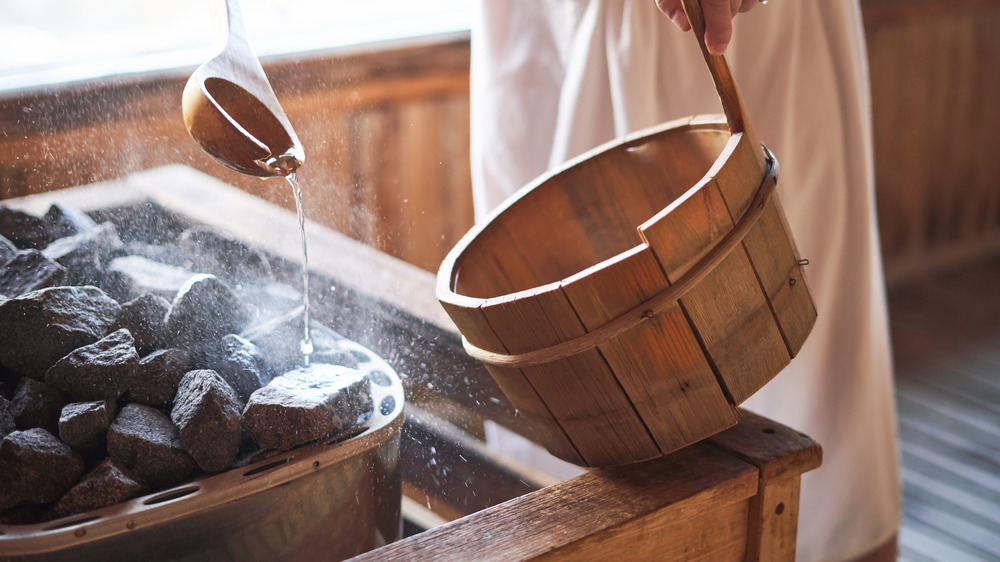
[(729, 93), (234, 25)]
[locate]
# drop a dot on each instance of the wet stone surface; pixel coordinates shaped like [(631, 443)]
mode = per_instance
[(151, 359), (307, 404), (242, 365)]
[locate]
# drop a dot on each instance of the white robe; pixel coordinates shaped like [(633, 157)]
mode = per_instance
[(554, 78)]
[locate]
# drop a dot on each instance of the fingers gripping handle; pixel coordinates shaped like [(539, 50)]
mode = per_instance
[(729, 92)]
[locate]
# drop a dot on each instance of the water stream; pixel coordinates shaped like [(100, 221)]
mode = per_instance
[(306, 345)]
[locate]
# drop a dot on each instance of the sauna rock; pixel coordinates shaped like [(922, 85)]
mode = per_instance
[(105, 484), (99, 371), (306, 404), (242, 364), (27, 271), (36, 468), (65, 221), (213, 251), (83, 253), (39, 328), (37, 404), (7, 250), (7, 419), (204, 310), (130, 277), (84, 425), (25, 230), (145, 442), (144, 317), (206, 412), (168, 254), (158, 375)]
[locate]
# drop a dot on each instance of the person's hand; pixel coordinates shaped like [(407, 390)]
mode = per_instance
[(719, 16)]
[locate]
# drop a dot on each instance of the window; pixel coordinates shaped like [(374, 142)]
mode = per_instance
[(46, 41)]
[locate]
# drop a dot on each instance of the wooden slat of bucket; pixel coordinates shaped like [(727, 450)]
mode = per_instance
[(776, 262), (581, 391), (467, 315), (728, 308), (659, 363), (769, 246)]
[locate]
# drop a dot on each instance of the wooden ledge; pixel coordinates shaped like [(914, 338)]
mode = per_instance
[(778, 451), (692, 501)]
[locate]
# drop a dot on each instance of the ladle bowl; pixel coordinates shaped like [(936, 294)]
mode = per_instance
[(232, 112)]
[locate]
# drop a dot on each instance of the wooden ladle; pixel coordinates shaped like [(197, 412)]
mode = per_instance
[(231, 111)]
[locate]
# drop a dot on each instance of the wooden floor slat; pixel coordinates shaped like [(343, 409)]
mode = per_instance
[(946, 336)]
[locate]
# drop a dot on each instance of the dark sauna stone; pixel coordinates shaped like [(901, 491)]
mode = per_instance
[(204, 311), (25, 230), (143, 441), (212, 251), (145, 221), (129, 277), (144, 318), (7, 250), (280, 339), (29, 270), (168, 254), (83, 254), (241, 364), (102, 370), (84, 425), (159, 373), (105, 484), (7, 417), (306, 404), (207, 413), (40, 327), (36, 468), (37, 404), (64, 220)]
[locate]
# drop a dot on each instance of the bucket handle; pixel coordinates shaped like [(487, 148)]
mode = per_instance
[(729, 93)]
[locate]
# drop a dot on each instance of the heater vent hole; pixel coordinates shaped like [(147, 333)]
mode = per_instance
[(266, 467), (349, 434), (380, 378), (172, 495), (65, 524), (387, 405)]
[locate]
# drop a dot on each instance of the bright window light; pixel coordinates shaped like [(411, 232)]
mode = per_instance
[(44, 41)]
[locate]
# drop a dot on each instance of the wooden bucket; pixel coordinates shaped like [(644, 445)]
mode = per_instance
[(627, 302)]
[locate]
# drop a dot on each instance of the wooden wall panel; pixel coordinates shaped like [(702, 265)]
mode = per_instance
[(385, 130), (935, 68)]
